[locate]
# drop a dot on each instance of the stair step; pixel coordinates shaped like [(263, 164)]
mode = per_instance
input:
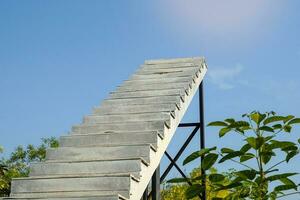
[(168, 65), (159, 126), (132, 166), (146, 70), (178, 73), (63, 196), (104, 119), (100, 153), (134, 109), (125, 138), (101, 184), (153, 87), (140, 94), (143, 101), (168, 80), (174, 61)]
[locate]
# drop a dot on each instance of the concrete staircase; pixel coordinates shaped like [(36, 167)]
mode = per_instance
[(114, 152)]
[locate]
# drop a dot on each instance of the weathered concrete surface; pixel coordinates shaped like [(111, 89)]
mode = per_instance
[(113, 153)]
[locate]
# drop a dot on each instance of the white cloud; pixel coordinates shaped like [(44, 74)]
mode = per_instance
[(226, 77), (224, 20)]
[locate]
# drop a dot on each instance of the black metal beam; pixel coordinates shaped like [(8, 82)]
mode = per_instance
[(178, 168), (186, 143), (188, 124), (155, 193), (145, 195), (202, 134), (181, 172)]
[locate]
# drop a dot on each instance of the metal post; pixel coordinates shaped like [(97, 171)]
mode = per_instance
[(145, 195), (156, 184), (202, 134), (186, 143)]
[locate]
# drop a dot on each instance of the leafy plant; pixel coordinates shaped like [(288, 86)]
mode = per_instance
[(17, 165), (173, 190), (260, 179)]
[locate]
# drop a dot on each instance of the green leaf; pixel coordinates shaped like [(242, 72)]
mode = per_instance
[(246, 174), (178, 180), (246, 157), (216, 177), (287, 181), (255, 143), (299, 140), (239, 124), (197, 178), (223, 131), (197, 154), (294, 121), (288, 118), (280, 144), (290, 155), (277, 126), (226, 150), (284, 187), (287, 128), (230, 120), (217, 123), (257, 117), (209, 160), (290, 148), (273, 119), (280, 176), (267, 155), (232, 185), (245, 148), (270, 171), (266, 128), (194, 191), (231, 155)]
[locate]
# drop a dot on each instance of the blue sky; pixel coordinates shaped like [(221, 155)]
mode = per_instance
[(58, 59)]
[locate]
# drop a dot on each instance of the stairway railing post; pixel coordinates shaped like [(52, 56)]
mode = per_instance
[(202, 134), (156, 184), (145, 195)]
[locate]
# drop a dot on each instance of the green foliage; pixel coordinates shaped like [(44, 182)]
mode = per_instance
[(178, 188), (259, 147), (17, 165)]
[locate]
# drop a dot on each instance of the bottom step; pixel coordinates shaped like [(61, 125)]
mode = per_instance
[(98, 197)]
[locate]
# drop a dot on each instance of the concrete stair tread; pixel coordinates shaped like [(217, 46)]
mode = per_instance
[(99, 197), (142, 101), (118, 127), (161, 122), (116, 145), (154, 86), (134, 109), (133, 117), (101, 153), (102, 160), (142, 94), (117, 132), (145, 69), (129, 138), (176, 74), (85, 195), (109, 145), (79, 176), (174, 60)]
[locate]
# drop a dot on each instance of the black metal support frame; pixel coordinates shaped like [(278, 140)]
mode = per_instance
[(156, 178)]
